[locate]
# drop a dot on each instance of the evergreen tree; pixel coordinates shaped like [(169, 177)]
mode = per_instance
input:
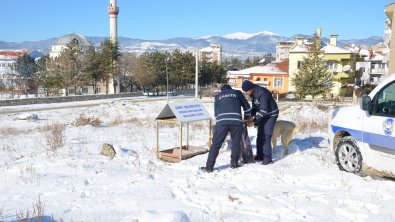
[(25, 68), (182, 68), (110, 56), (235, 64), (144, 71), (158, 63), (42, 73), (232, 65), (91, 68), (313, 78), (69, 65), (205, 75), (54, 81), (219, 73), (3, 88), (248, 63)]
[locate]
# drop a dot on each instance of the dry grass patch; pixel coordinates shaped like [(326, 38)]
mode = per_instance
[(37, 214), (131, 121), (311, 126), (115, 122), (55, 135), (372, 172), (83, 120), (10, 131)]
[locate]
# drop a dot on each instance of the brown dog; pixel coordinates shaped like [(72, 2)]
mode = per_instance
[(286, 130)]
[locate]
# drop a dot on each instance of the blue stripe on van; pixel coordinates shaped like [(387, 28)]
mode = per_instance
[(370, 138)]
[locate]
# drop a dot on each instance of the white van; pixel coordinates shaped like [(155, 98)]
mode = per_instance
[(363, 137)]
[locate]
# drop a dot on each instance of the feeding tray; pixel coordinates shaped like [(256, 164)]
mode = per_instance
[(182, 114), (173, 155)]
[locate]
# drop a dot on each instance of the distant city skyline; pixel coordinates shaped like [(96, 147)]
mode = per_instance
[(27, 20)]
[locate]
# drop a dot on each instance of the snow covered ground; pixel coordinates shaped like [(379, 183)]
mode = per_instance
[(74, 182)]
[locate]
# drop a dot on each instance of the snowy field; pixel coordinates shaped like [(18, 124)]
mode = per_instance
[(51, 166)]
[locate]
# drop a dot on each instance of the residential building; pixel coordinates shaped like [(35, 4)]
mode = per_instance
[(377, 67), (212, 53), (282, 50), (8, 59), (389, 25), (373, 65), (273, 76), (340, 61)]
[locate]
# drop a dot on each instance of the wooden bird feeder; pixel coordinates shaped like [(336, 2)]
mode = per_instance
[(182, 114)]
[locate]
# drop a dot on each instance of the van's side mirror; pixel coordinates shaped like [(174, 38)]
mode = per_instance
[(365, 103)]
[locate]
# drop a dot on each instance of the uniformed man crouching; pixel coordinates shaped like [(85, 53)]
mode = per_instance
[(227, 109)]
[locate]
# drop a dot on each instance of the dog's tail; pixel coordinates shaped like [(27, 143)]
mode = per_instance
[(295, 130)]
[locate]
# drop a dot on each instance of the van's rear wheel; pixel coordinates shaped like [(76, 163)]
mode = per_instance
[(348, 156)]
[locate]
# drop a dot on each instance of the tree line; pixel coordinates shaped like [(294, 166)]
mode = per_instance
[(76, 67), (149, 71)]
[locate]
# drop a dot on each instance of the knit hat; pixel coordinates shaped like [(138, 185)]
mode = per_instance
[(225, 87), (247, 86)]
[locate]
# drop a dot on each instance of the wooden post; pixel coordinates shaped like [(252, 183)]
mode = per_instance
[(157, 138), (180, 141), (187, 135)]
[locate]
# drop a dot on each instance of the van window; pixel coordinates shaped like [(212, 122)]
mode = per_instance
[(385, 101)]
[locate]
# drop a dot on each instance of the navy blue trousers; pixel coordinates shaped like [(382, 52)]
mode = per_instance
[(264, 138), (219, 136)]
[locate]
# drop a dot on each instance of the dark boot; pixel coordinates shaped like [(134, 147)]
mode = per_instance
[(206, 170), (267, 162), (258, 158), (234, 165)]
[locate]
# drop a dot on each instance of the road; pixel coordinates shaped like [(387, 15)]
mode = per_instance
[(70, 105)]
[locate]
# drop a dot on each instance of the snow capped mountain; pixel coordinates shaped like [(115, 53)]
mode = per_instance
[(152, 47), (239, 35), (239, 44), (244, 36)]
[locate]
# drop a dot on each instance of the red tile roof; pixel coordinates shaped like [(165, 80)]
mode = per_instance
[(13, 53)]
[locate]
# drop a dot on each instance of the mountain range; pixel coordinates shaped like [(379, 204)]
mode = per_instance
[(239, 45)]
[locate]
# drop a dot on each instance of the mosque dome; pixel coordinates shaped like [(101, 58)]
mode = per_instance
[(62, 42), (66, 39)]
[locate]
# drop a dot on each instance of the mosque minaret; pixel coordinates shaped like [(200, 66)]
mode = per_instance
[(113, 11)]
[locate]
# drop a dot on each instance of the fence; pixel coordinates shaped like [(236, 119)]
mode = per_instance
[(61, 99), (337, 100)]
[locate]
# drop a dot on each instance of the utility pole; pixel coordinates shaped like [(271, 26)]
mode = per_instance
[(197, 74), (167, 80)]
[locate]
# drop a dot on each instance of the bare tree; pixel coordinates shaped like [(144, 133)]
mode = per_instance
[(126, 65), (70, 65)]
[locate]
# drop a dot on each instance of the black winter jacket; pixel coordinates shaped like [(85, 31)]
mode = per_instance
[(227, 107), (263, 104)]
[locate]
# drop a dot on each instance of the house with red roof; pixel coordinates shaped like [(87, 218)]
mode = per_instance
[(273, 76)]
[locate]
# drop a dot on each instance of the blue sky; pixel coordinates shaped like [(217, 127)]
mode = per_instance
[(31, 20)]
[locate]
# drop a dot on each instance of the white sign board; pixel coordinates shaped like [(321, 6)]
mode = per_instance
[(189, 111)]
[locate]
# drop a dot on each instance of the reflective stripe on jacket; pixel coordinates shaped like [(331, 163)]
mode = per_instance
[(263, 104), (227, 107)]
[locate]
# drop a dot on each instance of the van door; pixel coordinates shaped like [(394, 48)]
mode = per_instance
[(379, 124)]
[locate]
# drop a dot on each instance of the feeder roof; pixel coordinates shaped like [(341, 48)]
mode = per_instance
[(185, 111)]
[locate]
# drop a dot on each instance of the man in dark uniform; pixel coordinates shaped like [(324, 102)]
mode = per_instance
[(227, 109), (265, 110)]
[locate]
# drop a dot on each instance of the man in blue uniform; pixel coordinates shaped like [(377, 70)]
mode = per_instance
[(227, 109), (265, 110)]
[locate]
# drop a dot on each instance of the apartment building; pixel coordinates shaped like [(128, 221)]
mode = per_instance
[(212, 53), (340, 61)]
